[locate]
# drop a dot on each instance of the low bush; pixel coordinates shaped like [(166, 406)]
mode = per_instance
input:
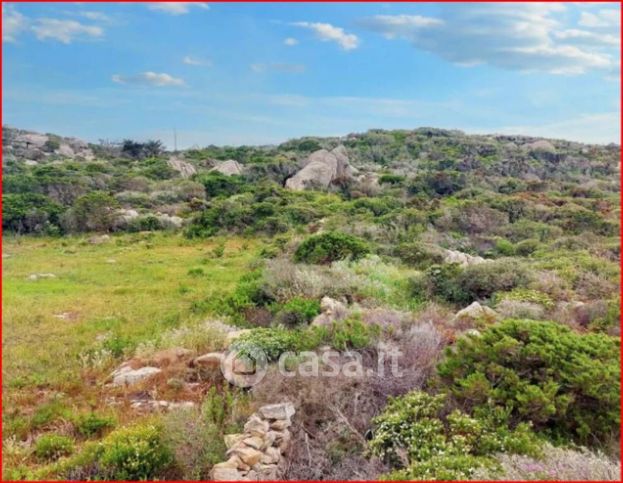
[(330, 247), (459, 285), (53, 446), (93, 424), (415, 435), (566, 384), (296, 311), (418, 255)]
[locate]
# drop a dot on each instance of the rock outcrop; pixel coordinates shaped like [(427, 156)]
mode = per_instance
[(184, 168), (322, 168), (258, 453), (33, 147), (463, 259), (229, 167), (331, 311)]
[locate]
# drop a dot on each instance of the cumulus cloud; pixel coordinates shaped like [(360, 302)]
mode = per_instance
[(13, 23), (196, 61), (177, 8), (149, 79), (329, 33), (525, 37), (65, 31), (290, 41), (606, 18), (94, 16), (278, 67)]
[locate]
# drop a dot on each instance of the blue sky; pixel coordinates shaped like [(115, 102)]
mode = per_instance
[(264, 73)]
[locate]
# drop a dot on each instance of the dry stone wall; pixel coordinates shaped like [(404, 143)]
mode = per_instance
[(258, 453)]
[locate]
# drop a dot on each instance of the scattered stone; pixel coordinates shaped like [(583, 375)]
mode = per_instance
[(111, 261), (170, 356), (277, 411), (37, 276), (463, 259), (6, 255), (475, 312), (332, 310), (98, 240), (210, 360), (243, 365), (125, 375)]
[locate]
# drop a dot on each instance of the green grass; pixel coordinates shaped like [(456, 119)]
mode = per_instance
[(147, 289)]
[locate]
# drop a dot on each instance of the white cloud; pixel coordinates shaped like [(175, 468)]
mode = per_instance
[(393, 26), (177, 8), (290, 41), (65, 31), (191, 60), (278, 67), (102, 17), (525, 37), (149, 79), (584, 37), (603, 18), (329, 33), (13, 23)]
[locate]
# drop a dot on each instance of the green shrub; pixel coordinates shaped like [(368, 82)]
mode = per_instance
[(330, 247), (527, 295), (474, 282), (504, 247), (53, 446), (566, 384), (92, 424), (297, 311), (134, 453), (527, 247), (353, 334), (418, 255), (413, 433)]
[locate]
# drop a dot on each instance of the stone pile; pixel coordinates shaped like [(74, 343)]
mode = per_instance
[(257, 454)]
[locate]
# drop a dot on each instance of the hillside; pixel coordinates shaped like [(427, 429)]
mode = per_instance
[(131, 273)]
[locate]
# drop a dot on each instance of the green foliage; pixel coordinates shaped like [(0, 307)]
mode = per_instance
[(441, 183), (353, 334), (93, 424), (527, 295), (414, 433), (330, 247), (93, 212), (53, 446), (219, 184), (29, 213), (297, 311), (391, 179), (133, 453), (566, 384), (418, 255), (459, 285)]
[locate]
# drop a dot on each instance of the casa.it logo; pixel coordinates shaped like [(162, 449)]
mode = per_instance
[(244, 368)]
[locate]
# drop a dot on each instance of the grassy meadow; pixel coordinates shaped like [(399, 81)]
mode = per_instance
[(115, 294)]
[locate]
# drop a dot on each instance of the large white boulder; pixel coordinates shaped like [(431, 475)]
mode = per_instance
[(322, 168)]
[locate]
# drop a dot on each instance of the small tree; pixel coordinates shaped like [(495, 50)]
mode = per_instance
[(92, 212)]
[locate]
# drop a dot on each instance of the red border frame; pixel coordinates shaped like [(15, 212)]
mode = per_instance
[(620, 3)]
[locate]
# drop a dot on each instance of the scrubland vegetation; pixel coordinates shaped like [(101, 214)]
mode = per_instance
[(120, 258)]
